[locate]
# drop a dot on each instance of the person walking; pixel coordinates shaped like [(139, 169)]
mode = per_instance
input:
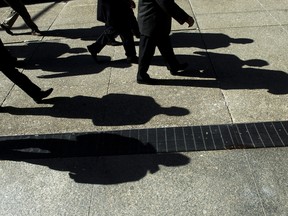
[(154, 18), (7, 66), (18, 8), (116, 16)]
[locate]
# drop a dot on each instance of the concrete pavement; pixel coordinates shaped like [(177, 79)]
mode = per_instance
[(237, 77)]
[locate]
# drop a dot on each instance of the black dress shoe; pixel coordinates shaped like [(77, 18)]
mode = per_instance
[(133, 60), (36, 32), (42, 95), (8, 31), (180, 67), (92, 52)]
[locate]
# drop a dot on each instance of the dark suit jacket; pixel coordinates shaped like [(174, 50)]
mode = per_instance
[(154, 16), (114, 13)]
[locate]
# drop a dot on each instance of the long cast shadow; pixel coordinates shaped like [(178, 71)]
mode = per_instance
[(206, 40), (88, 166), (52, 57), (199, 66), (235, 73), (85, 34), (229, 72), (110, 110)]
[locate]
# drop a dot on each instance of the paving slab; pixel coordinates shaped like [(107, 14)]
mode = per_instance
[(268, 5), (265, 72), (226, 6), (148, 184), (268, 171), (224, 85)]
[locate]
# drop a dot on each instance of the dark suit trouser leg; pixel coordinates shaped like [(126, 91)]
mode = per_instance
[(134, 24), (7, 67), (11, 19), (128, 42), (165, 47), (108, 34), (20, 8), (146, 51), (21, 80)]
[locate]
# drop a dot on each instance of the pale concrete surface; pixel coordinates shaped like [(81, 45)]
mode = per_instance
[(221, 86)]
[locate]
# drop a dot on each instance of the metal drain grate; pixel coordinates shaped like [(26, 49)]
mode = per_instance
[(142, 141)]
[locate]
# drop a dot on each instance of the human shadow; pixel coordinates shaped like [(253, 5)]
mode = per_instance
[(83, 157), (229, 72), (76, 65), (85, 34), (198, 66), (206, 40), (178, 39), (40, 50), (62, 60), (110, 110), (235, 73)]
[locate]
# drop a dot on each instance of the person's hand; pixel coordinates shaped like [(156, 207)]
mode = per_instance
[(190, 21)]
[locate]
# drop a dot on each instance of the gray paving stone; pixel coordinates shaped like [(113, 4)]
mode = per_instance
[(239, 20), (281, 4), (217, 88), (181, 184), (265, 78), (226, 6), (280, 16), (269, 172), (29, 189)]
